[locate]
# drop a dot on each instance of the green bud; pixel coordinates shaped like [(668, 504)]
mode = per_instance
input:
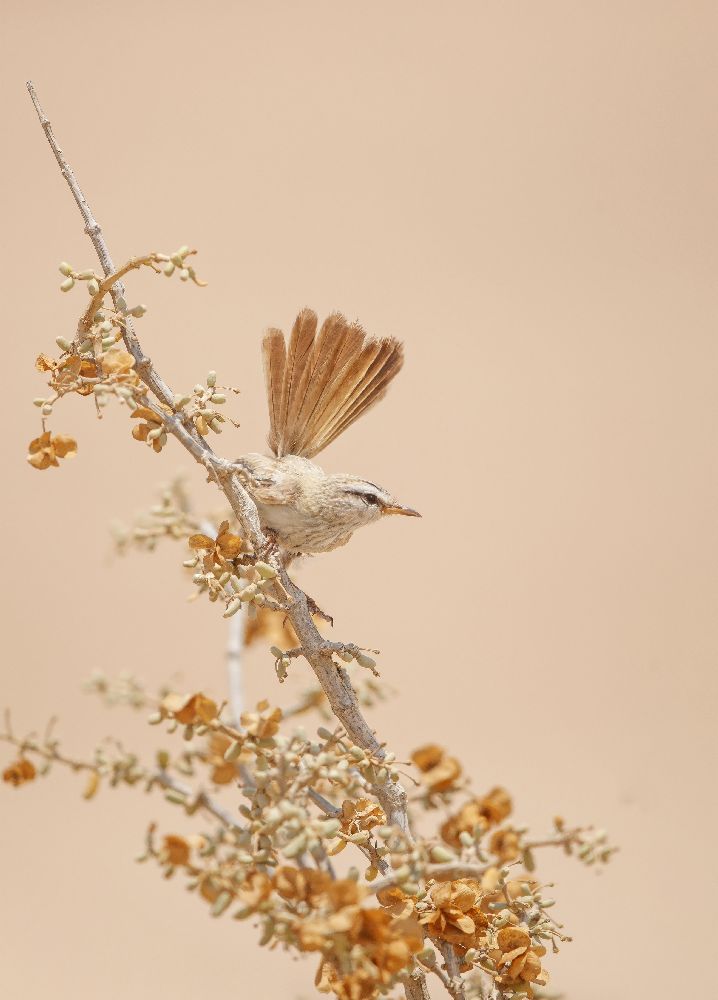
[(296, 846), (218, 398), (330, 827), (357, 753), (365, 661), (85, 275), (276, 652), (440, 854), (47, 409), (233, 750), (324, 733), (184, 274), (163, 759), (266, 571), (221, 903), (138, 311), (155, 718), (183, 251), (169, 268), (38, 402), (179, 798), (427, 957), (92, 287), (233, 607), (466, 839), (66, 269), (67, 284), (176, 260), (212, 379), (85, 346), (346, 655)]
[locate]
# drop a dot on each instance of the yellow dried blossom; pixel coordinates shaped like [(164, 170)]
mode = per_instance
[(456, 914), (19, 772), (516, 958), (45, 450), (485, 812), (175, 850), (505, 844), (263, 723), (362, 814), (151, 422), (226, 546), (440, 772)]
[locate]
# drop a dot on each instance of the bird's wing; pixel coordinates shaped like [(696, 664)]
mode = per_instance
[(323, 381)]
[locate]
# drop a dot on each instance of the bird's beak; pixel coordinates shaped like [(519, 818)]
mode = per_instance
[(396, 508)]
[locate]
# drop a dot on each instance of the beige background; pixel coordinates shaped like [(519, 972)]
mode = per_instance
[(523, 192)]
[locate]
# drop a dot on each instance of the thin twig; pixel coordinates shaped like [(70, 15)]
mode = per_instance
[(334, 679)]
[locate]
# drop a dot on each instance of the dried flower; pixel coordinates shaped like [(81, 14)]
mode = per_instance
[(483, 813), (456, 914), (45, 450), (517, 957), (440, 772), (226, 546), (362, 814), (19, 772)]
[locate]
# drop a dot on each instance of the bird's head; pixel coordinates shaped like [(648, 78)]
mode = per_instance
[(366, 502)]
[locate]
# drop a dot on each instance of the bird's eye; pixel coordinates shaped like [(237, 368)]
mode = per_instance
[(370, 499)]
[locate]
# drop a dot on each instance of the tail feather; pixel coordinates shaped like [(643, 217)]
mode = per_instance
[(323, 382)]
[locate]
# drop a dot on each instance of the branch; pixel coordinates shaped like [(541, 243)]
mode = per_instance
[(334, 679)]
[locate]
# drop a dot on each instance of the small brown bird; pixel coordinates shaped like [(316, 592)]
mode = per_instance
[(316, 387)]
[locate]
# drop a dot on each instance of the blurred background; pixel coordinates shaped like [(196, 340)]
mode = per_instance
[(525, 194)]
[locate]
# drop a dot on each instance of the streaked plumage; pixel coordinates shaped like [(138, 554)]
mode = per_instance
[(316, 388)]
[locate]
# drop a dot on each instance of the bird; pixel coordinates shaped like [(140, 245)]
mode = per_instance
[(317, 385)]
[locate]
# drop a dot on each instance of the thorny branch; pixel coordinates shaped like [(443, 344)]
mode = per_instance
[(333, 679)]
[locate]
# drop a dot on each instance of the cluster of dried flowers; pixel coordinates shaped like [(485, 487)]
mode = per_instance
[(299, 801), (275, 807)]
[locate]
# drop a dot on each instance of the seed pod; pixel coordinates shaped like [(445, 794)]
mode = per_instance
[(218, 398), (67, 284), (155, 718), (266, 571), (190, 563), (63, 343), (357, 753), (163, 759), (346, 655), (183, 251), (466, 839), (212, 379), (216, 425), (38, 402), (92, 287), (276, 652), (184, 274), (85, 346), (168, 269), (138, 311), (47, 409), (65, 268), (324, 733)]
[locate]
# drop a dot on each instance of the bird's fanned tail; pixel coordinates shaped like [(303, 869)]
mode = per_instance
[(322, 382)]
